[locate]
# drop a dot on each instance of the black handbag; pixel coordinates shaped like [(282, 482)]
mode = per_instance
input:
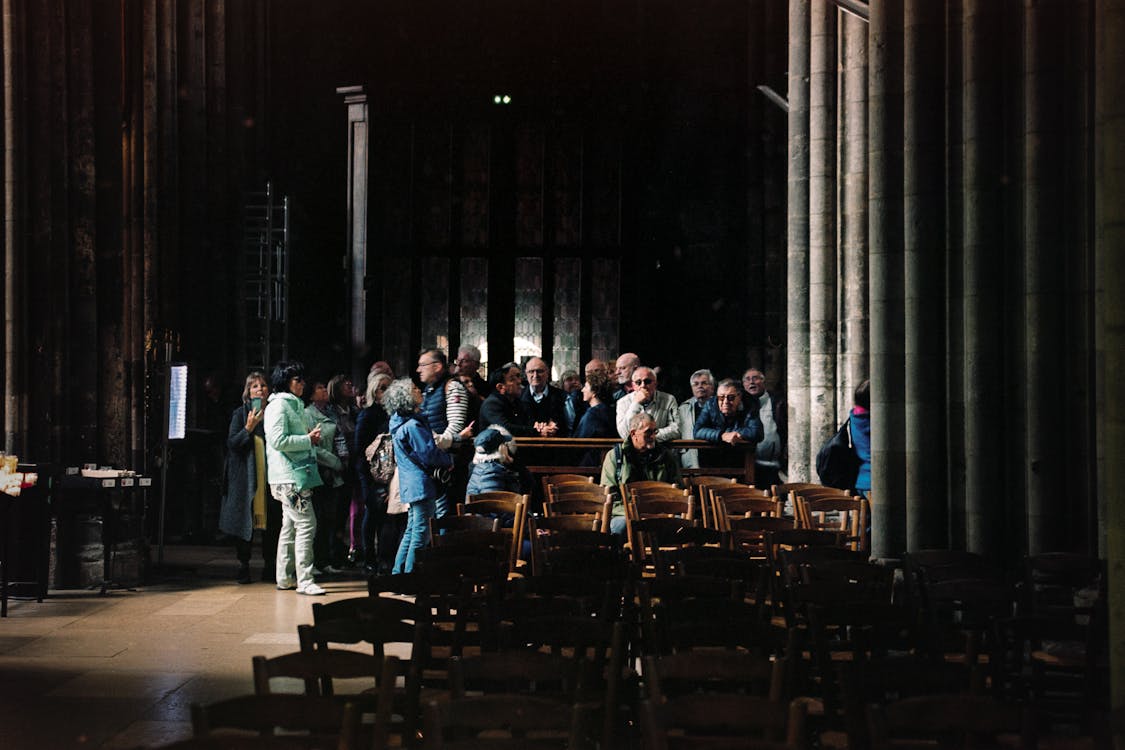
[(836, 462)]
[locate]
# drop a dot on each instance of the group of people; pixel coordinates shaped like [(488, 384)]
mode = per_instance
[(302, 473)]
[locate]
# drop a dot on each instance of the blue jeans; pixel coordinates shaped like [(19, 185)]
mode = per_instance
[(417, 534)]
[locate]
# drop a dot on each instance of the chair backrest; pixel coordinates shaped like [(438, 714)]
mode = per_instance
[(510, 508), (701, 486), (323, 717), (704, 720), (681, 505), (454, 524), (599, 509), (552, 479), (741, 501), (946, 717), (670, 675), (311, 666), (575, 490), (502, 720), (580, 534), (372, 619), (837, 512)]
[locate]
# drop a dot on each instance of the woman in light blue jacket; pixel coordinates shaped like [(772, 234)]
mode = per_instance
[(293, 473), (416, 456)]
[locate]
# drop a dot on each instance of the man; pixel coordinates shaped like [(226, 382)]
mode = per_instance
[(503, 406), (444, 406), (771, 451), (723, 421), (544, 404), (468, 363), (636, 459), (626, 363), (702, 390), (662, 407)]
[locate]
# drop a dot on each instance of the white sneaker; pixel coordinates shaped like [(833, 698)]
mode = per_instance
[(286, 585), (311, 589)]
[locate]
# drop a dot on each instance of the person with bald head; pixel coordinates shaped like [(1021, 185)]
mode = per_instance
[(544, 404), (662, 407), (625, 365), (576, 405)]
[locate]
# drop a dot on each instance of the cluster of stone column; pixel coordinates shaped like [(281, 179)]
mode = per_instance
[(944, 207)]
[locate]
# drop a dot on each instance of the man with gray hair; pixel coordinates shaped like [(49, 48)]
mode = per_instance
[(468, 364), (662, 407), (702, 389), (638, 458)]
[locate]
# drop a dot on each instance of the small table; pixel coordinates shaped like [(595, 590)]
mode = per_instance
[(107, 489), (26, 521)]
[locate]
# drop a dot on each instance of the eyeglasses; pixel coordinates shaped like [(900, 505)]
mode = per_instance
[(536, 372), (729, 397), (754, 378), (427, 364), (465, 361), (644, 381)]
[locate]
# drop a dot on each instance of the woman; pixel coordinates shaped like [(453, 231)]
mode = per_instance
[(598, 421), (341, 397), (320, 413), (378, 557), (245, 504), (416, 455), (861, 437), (293, 474)]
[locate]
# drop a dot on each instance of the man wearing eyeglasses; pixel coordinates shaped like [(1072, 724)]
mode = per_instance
[(723, 421), (702, 390), (444, 406), (638, 458), (544, 404), (770, 456), (662, 407), (468, 364)]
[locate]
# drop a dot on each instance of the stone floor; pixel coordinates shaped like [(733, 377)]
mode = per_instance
[(81, 670)]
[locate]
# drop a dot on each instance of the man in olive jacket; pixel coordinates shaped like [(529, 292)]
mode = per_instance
[(638, 458)]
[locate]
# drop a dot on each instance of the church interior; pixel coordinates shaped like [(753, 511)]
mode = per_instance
[(923, 194)]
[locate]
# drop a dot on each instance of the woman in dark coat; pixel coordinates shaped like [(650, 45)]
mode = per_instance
[(246, 503), (598, 421), (380, 536)]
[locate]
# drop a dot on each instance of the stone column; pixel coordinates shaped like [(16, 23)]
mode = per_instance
[(885, 140), (823, 412), (14, 404), (854, 366), (1045, 262), (797, 284), (1110, 258), (924, 272), (983, 250), (355, 99)]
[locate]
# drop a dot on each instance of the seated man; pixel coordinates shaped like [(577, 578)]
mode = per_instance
[(638, 458), (662, 407), (503, 406), (702, 390), (724, 421)]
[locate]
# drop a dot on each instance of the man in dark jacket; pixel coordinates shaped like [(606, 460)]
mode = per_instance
[(723, 421), (503, 405), (544, 404)]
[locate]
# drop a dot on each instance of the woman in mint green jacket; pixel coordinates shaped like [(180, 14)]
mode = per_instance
[(293, 473)]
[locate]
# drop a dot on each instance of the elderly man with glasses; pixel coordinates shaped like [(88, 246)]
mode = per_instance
[(771, 410), (662, 407), (723, 421), (544, 404)]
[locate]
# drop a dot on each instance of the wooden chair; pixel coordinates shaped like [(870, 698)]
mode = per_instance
[(506, 506), (454, 524), (836, 512), (596, 509), (561, 542), (750, 534), (650, 538), (723, 721), (583, 490), (736, 501), (502, 720), (229, 723), (380, 621), (318, 669), (950, 721), (671, 675), (701, 486), (560, 479)]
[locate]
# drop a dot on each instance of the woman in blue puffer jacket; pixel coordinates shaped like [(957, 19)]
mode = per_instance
[(416, 456)]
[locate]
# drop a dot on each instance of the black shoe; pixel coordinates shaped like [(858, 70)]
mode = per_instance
[(244, 573), (370, 569)]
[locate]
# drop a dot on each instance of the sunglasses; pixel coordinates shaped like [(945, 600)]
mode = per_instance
[(643, 381)]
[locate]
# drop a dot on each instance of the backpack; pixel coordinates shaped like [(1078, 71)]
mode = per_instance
[(836, 461), (381, 458)]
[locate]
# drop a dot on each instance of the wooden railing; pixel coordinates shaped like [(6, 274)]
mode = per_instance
[(539, 463)]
